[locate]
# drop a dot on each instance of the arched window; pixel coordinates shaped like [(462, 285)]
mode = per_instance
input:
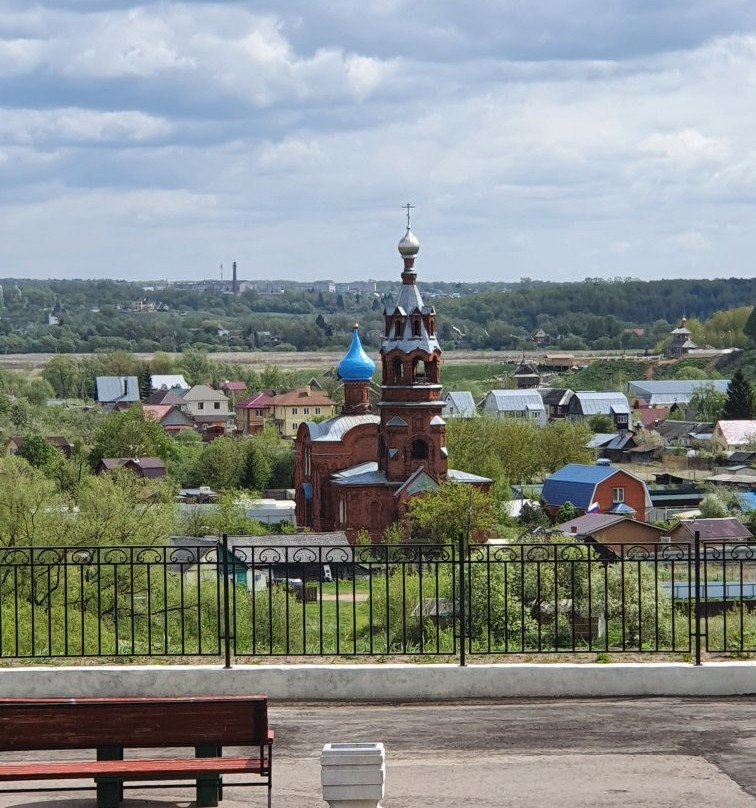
[(418, 370), (431, 327), (419, 450), (308, 461), (342, 511), (396, 365), (415, 326), (398, 328)]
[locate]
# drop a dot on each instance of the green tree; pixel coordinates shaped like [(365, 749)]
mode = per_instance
[(566, 513), (739, 405), (707, 403), (37, 451), (441, 515), (561, 443), (256, 472), (195, 366), (601, 424), (221, 464), (131, 434)]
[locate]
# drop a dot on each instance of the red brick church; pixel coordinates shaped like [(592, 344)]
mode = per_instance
[(358, 469)]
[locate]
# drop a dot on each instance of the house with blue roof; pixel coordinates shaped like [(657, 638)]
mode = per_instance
[(596, 489)]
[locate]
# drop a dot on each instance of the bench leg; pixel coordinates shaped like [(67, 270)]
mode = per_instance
[(209, 789), (109, 789)]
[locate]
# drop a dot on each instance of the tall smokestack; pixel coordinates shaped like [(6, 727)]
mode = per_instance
[(235, 284)]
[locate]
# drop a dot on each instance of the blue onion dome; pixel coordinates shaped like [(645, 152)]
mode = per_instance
[(356, 366)]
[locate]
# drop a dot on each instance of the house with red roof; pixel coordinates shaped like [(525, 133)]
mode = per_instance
[(252, 412), (171, 418)]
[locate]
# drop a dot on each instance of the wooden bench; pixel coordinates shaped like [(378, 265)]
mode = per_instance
[(111, 726)]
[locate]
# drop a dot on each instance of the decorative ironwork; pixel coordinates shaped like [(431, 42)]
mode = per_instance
[(236, 600)]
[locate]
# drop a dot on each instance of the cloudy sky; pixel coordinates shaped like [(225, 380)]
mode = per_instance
[(551, 139)]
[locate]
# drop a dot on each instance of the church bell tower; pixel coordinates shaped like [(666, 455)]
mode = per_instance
[(412, 431)]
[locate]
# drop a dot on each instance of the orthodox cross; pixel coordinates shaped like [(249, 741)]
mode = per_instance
[(409, 208)]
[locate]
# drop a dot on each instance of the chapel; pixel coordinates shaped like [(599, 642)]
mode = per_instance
[(359, 468)]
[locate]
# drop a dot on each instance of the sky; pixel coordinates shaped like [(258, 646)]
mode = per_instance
[(546, 139)]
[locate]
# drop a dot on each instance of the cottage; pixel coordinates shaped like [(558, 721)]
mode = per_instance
[(619, 533), (289, 410), (596, 489), (723, 529), (526, 404), (151, 468), (210, 410), (556, 400), (58, 441), (459, 404), (584, 404), (169, 381), (667, 392), (172, 419), (116, 392), (253, 412), (735, 434)]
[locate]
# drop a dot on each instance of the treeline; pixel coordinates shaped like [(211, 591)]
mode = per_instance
[(91, 316)]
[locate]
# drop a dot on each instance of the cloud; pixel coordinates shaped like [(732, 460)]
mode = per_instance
[(530, 135)]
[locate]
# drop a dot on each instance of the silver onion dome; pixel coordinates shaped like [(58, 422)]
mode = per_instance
[(409, 246)]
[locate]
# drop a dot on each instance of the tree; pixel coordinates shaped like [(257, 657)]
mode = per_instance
[(739, 405), (441, 515), (221, 464), (256, 472), (561, 443), (145, 381), (131, 434), (37, 451), (707, 403), (601, 424), (566, 513)]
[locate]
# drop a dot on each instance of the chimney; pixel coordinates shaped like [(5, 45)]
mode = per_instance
[(573, 530), (234, 282)]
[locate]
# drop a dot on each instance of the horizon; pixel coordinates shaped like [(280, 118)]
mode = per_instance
[(542, 140)]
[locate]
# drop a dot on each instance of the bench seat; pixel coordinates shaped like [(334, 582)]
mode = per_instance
[(141, 769)]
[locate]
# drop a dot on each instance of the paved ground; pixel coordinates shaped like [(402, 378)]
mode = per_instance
[(521, 754)]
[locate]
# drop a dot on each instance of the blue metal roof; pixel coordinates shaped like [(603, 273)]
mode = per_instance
[(574, 483), (356, 366)]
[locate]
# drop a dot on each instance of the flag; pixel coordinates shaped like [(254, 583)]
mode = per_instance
[(593, 507)]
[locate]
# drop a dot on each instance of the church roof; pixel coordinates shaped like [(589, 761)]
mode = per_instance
[(456, 476), (361, 474), (335, 428)]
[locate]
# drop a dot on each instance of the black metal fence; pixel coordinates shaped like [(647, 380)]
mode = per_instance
[(232, 600)]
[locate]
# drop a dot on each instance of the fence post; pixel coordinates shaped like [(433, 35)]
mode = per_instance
[(462, 615), (226, 608), (697, 600)]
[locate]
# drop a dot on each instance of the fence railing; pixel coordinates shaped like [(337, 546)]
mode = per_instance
[(234, 599)]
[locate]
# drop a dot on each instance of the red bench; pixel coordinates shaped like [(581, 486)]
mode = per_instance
[(111, 726)]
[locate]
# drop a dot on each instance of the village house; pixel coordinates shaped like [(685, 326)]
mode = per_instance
[(584, 404), (459, 404), (665, 393), (169, 381), (210, 410), (151, 468), (734, 434), (289, 410), (526, 404), (556, 400), (171, 418), (252, 412), (617, 532), (596, 489), (58, 441), (710, 529), (116, 392)]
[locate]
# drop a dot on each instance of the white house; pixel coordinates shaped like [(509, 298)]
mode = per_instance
[(526, 404), (734, 434), (459, 404)]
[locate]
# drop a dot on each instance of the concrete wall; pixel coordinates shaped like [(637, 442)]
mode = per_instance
[(404, 682)]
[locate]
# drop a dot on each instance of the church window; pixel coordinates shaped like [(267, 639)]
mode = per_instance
[(418, 370), (419, 450), (308, 461), (415, 326), (431, 327), (342, 511), (398, 328), (397, 369)]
